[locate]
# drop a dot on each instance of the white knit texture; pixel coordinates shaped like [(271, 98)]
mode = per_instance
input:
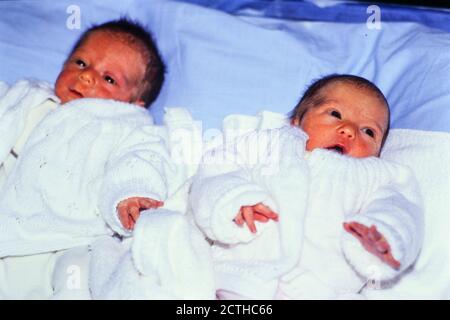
[(78, 163), (261, 167), (167, 258)]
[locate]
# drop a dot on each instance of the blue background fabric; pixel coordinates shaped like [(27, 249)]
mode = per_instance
[(251, 56), (332, 11)]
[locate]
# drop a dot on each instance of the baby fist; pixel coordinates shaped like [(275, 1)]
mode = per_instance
[(130, 209), (250, 214)]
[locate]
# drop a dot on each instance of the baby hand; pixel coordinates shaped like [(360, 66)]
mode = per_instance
[(373, 241), (250, 214), (130, 209)]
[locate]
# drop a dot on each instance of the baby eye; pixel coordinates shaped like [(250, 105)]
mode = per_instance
[(80, 63), (369, 132), (110, 80), (335, 114)]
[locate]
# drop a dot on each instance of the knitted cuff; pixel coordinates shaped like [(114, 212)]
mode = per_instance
[(367, 264), (113, 194)]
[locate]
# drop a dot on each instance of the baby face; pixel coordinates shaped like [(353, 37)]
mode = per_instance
[(351, 121), (104, 66)]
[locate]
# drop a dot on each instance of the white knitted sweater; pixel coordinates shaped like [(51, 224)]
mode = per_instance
[(307, 254), (79, 162)]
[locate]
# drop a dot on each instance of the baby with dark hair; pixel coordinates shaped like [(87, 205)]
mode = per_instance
[(83, 160), (323, 213), (121, 57)]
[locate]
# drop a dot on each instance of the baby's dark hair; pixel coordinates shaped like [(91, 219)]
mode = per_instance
[(313, 96), (135, 33)]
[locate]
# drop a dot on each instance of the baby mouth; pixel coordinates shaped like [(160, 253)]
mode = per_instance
[(76, 93), (337, 148)]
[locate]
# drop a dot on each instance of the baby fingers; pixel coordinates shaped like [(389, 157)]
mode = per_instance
[(123, 217), (147, 203), (134, 215), (382, 246), (247, 213), (374, 235), (265, 211), (260, 217), (390, 260), (239, 220), (357, 229)]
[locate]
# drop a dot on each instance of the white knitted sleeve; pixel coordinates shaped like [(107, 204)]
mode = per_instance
[(222, 185), (236, 175), (139, 167), (395, 208), (216, 201)]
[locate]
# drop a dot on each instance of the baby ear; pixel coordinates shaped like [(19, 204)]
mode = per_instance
[(295, 122)]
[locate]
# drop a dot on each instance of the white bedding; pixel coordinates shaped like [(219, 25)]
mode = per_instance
[(241, 65)]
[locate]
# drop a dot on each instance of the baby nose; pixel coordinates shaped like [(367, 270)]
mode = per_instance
[(348, 131), (87, 77)]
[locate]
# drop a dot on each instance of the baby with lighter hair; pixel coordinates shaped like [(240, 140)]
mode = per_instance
[(330, 218)]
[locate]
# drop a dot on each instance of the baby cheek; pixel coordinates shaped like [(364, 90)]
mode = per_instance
[(366, 150), (60, 84), (117, 94), (104, 92), (59, 81), (312, 144), (374, 148)]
